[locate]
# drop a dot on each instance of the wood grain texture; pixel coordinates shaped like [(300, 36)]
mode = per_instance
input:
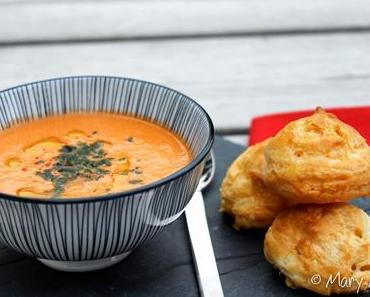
[(233, 78), (40, 21)]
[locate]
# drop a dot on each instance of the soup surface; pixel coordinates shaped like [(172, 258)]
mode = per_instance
[(79, 155)]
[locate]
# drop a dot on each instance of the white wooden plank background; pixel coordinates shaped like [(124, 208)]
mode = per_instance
[(233, 78), (239, 59), (238, 139), (80, 20)]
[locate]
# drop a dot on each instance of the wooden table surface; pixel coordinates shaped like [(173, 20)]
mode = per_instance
[(238, 59)]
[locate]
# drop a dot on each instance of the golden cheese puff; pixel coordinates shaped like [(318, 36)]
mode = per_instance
[(318, 159), (244, 194), (323, 248)]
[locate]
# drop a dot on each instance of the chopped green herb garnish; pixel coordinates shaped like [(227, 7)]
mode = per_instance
[(87, 161)]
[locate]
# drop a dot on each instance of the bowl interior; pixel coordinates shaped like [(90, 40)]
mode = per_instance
[(137, 98)]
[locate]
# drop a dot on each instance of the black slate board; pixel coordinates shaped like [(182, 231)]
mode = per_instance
[(162, 267)]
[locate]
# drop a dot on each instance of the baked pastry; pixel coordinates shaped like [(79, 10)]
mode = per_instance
[(244, 194), (318, 159), (321, 247)]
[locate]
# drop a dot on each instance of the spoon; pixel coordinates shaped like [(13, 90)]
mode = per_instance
[(203, 255)]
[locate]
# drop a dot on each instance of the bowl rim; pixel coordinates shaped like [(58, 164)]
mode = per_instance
[(123, 194)]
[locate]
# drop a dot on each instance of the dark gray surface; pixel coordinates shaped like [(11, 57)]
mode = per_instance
[(162, 267)]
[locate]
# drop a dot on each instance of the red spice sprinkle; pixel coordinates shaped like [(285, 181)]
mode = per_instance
[(24, 169)]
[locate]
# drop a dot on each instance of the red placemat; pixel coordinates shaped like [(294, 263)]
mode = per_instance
[(266, 126)]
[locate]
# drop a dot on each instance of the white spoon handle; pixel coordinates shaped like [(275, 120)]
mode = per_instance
[(203, 255)]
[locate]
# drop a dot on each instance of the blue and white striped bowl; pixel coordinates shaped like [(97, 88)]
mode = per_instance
[(92, 233)]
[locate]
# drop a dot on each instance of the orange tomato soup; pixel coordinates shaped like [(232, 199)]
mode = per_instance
[(80, 155)]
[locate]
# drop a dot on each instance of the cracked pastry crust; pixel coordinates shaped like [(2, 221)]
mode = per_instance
[(244, 194), (318, 159), (326, 240)]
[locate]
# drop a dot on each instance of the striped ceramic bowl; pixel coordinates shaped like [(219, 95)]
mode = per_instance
[(96, 232)]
